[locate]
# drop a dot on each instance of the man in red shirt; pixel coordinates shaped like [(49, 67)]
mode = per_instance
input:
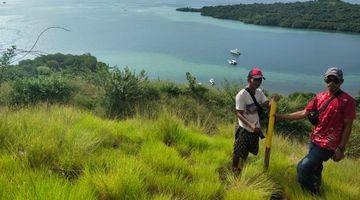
[(336, 113)]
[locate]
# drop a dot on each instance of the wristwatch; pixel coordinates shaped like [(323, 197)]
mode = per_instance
[(342, 149)]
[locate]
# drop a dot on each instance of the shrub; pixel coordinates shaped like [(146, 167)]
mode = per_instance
[(170, 89), (194, 88), (86, 95), (42, 70), (5, 91), (300, 24), (125, 91), (83, 101), (292, 103), (42, 89), (7, 56)]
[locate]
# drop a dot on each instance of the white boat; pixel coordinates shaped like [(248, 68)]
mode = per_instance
[(232, 62), (212, 81), (235, 52)]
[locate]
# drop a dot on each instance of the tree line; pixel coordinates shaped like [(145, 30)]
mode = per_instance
[(331, 15)]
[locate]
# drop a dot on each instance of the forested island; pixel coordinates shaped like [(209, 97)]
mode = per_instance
[(332, 15)]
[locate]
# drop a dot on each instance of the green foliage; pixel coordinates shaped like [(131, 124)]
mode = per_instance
[(15, 72), (292, 103), (194, 88), (353, 147), (228, 92), (357, 99), (5, 60), (83, 66), (53, 65), (6, 57), (69, 64), (125, 91), (43, 71), (85, 94), (331, 15), (5, 91), (34, 90), (188, 9), (169, 88), (123, 94)]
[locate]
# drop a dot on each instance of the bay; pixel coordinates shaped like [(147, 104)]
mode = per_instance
[(165, 43)]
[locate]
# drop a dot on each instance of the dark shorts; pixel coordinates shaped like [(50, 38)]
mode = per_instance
[(245, 142)]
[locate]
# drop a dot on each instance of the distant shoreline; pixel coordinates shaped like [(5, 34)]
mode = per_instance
[(325, 15)]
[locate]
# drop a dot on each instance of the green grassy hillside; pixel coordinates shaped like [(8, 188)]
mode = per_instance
[(57, 152)]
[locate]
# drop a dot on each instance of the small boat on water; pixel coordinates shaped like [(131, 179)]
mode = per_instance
[(235, 52), (232, 62), (212, 82)]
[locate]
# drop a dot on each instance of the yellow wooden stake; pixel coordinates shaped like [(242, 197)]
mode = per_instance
[(269, 133)]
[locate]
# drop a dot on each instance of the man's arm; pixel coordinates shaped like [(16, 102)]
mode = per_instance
[(240, 115), (340, 151), (299, 114), (346, 134), (292, 116)]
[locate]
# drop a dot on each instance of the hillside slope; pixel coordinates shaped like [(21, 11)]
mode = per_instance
[(58, 152)]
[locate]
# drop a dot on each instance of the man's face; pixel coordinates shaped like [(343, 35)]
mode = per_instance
[(255, 82), (332, 83)]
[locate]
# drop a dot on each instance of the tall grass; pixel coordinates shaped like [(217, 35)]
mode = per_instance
[(57, 152), (353, 146)]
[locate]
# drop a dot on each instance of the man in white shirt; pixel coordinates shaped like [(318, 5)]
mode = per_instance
[(248, 131)]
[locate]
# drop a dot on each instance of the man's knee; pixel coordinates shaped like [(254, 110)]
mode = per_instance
[(303, 167), (300, 172), (307, 176), (305, 170), (308, 165)]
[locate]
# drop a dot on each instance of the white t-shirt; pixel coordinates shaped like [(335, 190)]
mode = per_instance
[(244, 102)]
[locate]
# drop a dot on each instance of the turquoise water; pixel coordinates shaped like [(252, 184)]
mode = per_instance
[(152, 36)]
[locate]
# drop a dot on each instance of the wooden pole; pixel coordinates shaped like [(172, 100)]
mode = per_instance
[(269, 134)]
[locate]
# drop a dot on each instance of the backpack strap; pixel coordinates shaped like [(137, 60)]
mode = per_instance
[(259, 108), (338, 93)]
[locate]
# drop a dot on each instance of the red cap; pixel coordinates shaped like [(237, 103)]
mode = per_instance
[(256, 73)]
